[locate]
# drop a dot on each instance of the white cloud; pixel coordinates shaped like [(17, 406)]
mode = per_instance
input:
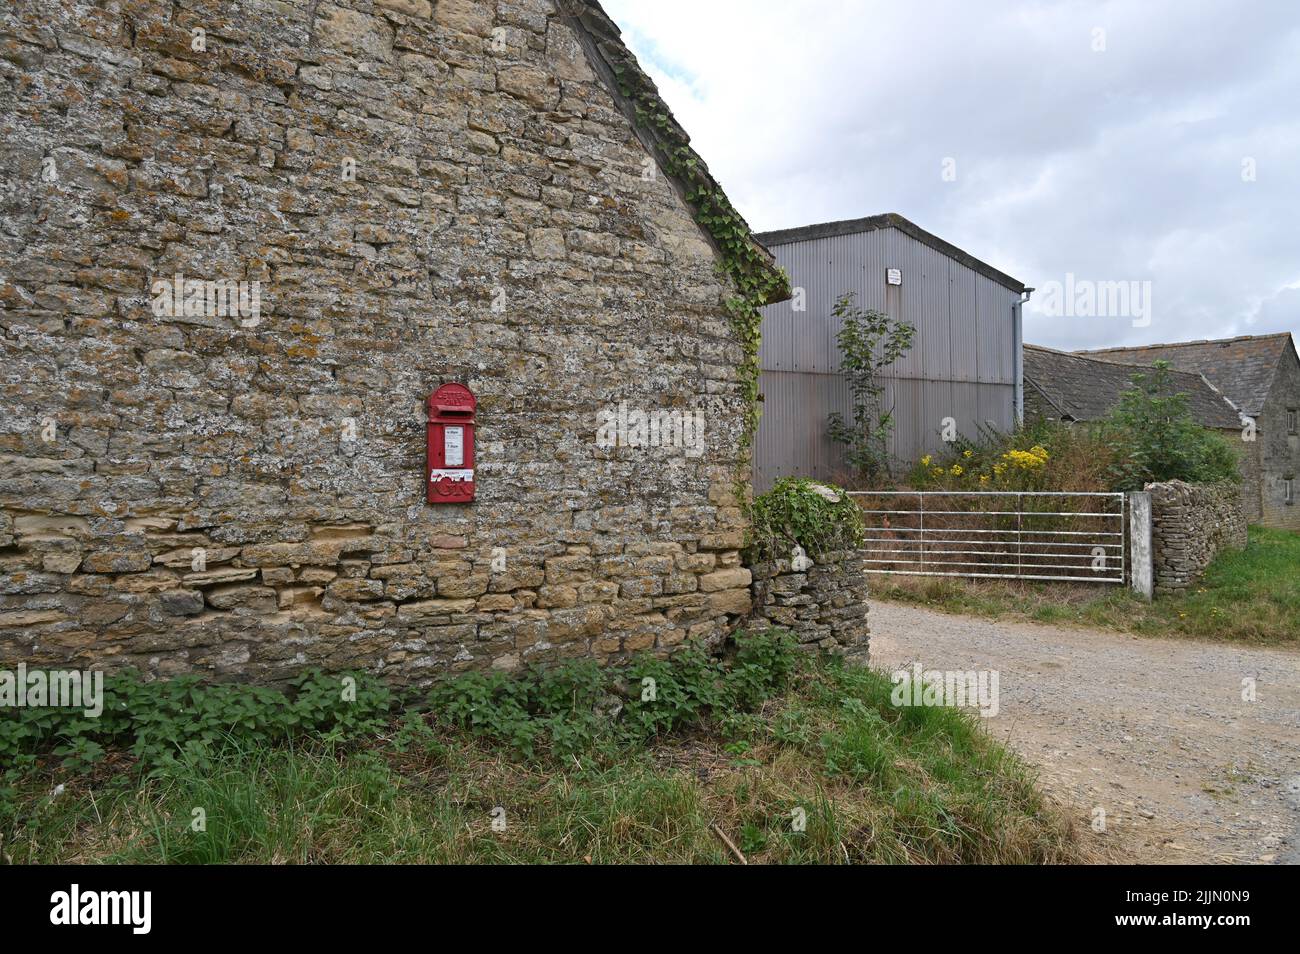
[(1117, 165)]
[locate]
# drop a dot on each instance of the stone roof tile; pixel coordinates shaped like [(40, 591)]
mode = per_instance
[(1242, 368), (1087, 388)]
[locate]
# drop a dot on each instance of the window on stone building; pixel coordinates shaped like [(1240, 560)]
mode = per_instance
[(1288, 490), (1291, 424)]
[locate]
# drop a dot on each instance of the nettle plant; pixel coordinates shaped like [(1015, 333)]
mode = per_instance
[(165, 725), (580, 706), (869, 342), (158, 722)]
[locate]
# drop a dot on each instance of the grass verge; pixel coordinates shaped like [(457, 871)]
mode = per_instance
[(1248, 596), (821, 769)]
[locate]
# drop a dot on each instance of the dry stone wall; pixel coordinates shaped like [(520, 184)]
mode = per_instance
[(1190, 524), (822, 602), (379, 197)]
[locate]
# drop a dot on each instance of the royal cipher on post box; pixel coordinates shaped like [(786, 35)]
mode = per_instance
[(449, 464)]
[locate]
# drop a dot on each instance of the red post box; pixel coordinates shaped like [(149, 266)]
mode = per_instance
[(449, 464)]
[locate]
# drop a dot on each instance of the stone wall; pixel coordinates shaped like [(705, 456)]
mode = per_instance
[(1190, 523), (1252, 476), (424, 191), (824, 605), (1280, 448)]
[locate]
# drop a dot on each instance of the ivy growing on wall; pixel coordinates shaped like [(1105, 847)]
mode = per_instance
[(800, 512), (756, 279)]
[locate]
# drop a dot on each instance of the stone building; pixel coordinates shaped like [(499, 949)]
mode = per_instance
[(1075, 387), (1260, 374), (242, 245), (1060, 385)]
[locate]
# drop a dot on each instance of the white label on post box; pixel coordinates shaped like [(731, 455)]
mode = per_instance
[(453, 446), (455, 476)]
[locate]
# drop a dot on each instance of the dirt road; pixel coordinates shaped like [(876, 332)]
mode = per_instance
[(1153, 732)]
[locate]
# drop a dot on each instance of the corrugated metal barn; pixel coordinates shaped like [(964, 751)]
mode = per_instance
[(965, 361)]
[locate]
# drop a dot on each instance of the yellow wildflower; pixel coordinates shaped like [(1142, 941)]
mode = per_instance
[(967, 453), (925, 461), (1023, 459), (956, 470)]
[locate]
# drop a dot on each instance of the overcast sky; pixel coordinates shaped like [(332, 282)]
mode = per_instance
[(1137, 141)]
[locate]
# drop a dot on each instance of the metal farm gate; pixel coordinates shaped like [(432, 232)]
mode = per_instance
[(994, 533)]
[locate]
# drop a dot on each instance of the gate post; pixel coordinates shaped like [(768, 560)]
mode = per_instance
[(1141, 576)]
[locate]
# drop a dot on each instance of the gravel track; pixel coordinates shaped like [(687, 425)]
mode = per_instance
[(1153, 731)]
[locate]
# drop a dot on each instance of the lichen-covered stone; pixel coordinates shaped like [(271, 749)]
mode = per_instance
[(425, 191), (181, 602), (823, 605)]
